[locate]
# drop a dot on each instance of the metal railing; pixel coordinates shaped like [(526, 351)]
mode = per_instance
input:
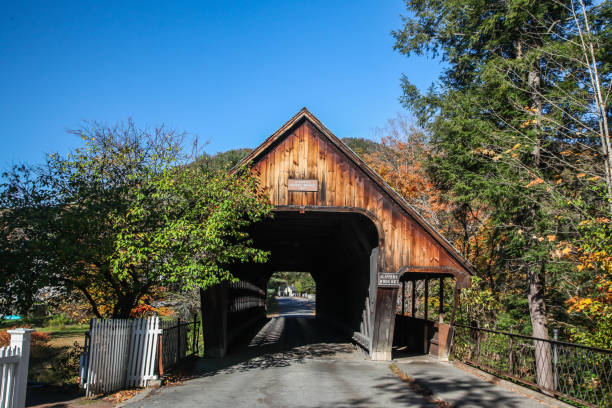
[(574, 372), (179, 340)]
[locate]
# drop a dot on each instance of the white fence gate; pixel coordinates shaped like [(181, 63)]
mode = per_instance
[(14, 361), (121, 353)]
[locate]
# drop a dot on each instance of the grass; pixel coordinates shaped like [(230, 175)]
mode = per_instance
[(66, 331)]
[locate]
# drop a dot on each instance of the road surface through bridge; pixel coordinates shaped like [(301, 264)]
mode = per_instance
[(294, 360)]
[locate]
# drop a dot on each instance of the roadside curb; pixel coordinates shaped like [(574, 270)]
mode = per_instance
[(138, 397), (524, 391)]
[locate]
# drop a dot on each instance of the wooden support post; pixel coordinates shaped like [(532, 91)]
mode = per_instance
[(214, 320), (194, 342), (426, 299), (441, 299), (456, 301), (426, 327), (403, 298), (413, 299)]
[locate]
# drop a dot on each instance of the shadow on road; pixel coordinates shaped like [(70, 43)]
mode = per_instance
[(291, 337)]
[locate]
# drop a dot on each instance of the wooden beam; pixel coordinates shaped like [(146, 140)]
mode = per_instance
[(403, 298), (426, 328), (453, 313), (413, 299), (214, 303), (426, 298), (441, 299)]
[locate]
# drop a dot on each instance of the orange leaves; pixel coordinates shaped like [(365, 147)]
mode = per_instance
[(597, 303), (122, 396), (38, 339), (563, 250), (534, 182), (142, 311), (578, 304)]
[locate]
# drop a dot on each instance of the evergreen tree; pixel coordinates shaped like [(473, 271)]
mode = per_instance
[(512, 127)]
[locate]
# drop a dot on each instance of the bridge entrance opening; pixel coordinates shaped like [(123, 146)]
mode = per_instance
[(335, 247), (291, 294)]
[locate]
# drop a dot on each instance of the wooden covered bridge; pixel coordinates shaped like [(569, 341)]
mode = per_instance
[(360, 240)]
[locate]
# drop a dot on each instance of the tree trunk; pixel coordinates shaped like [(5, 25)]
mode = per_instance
[(92, 302), (123, 308), (539, 323)]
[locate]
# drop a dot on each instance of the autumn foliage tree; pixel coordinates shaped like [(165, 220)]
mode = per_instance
[(121, 215)]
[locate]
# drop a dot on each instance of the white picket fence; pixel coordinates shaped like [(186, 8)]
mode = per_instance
[(122, 353), (14, 361)]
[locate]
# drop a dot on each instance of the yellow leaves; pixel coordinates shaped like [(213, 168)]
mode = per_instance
[(534, 182), (496, 158), (564, 249), (580, 175), (578, 304), (485, 152), (566, 153), (594, 178), (559, 181), (516, 146), (528, 122), (551, 238)]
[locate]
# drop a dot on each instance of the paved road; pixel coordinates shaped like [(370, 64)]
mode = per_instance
[(295, 361)]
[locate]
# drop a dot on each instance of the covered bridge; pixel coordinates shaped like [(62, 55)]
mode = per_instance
[(360, 240)]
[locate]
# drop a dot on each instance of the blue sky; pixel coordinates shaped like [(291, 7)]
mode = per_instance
[(230, 73)]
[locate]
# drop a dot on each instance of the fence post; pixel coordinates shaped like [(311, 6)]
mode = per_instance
[(178, 340), (511, 353), (477, 342), (555, 359), (194, 342), (21, 338)]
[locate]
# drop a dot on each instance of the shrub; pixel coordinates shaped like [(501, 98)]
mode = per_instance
[(39, 340), (59, 321)]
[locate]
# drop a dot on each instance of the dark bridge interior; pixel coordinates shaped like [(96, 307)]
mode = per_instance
[(335, 247)]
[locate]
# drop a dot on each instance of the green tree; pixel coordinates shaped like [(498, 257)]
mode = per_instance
[(304, 283), (361, 146), (124, 214), (512, 127), (224, 160)]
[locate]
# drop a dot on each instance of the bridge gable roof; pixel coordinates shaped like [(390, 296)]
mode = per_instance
[(304, 114)]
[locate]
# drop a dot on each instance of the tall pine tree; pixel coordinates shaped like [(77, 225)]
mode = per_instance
[(512, 126)]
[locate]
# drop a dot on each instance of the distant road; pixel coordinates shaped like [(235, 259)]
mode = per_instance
[(294, 306)]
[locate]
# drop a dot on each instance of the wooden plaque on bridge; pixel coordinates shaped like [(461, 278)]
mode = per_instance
[(302, 185), (390, 280)]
